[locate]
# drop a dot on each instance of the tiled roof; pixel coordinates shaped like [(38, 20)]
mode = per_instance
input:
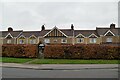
[(102, 31), (43, 32), (68, 32), (86, 33), (30, 33), (13, 33)]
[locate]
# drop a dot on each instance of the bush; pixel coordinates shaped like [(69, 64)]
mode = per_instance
[(54, 51), (18, 50), (82, 51)]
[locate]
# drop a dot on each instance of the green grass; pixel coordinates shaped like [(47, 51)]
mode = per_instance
[(66, 61), (0, 59), (56, 61), (14, 60)]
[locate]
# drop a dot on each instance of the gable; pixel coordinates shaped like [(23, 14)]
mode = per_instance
[(32, 37), (80, 36), (22, 37), (93, 36), (109, 33), (55, 32), (9, 36)]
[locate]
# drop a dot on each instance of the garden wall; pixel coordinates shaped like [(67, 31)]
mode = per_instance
[(82, 51), (19, 50)]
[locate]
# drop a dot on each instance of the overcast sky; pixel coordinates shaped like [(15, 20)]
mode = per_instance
[(31, 15)]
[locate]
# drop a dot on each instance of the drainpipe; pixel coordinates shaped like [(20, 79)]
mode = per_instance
[(73, 38)]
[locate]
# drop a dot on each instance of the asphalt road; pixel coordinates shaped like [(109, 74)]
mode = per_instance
[(83, 73)]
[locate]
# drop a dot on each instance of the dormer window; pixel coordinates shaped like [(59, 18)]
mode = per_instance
[(32, 39), (8, 38), (21, 39), (93, 38)]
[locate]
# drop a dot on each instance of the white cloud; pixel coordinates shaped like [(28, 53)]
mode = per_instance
[(84, 15)]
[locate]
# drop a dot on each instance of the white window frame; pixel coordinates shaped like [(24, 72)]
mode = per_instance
[(109, 39), (21, 42), (47, 40), (93, 40), (78, 40), (9, 41), (62, 41), (32, 41)]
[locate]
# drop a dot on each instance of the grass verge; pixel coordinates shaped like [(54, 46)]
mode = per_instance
[(67, 61), (56, 61), (14, 60)]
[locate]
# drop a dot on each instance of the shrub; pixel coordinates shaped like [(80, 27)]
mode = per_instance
[(54, 51), (19, 50), (89, 51)]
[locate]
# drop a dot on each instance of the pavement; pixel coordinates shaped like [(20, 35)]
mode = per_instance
[(59, 66)]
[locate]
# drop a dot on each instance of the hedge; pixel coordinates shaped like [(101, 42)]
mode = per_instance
[(82, 51), (63, 51), (19, 50)]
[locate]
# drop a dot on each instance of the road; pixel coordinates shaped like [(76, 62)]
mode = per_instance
[(83, 73)]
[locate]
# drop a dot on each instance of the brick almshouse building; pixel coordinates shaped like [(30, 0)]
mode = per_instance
[(62, 36)]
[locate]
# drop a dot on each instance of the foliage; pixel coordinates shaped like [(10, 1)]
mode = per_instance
[(89, 51), (19, 50)]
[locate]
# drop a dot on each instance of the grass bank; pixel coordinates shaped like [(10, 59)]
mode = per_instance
[(56, 61)]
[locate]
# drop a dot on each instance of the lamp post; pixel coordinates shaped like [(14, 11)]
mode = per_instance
[(41, 49)]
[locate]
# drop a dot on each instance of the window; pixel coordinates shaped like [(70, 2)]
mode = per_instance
[(109, 40), (47, 40), (92, 40), (80, 40), (21, 41), (32, 41), (55, 40), (64, 41), (8, 41)]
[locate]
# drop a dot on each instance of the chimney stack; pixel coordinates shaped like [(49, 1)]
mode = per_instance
[(112, 26), (72, 27), (43, 27), (10, 29)]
